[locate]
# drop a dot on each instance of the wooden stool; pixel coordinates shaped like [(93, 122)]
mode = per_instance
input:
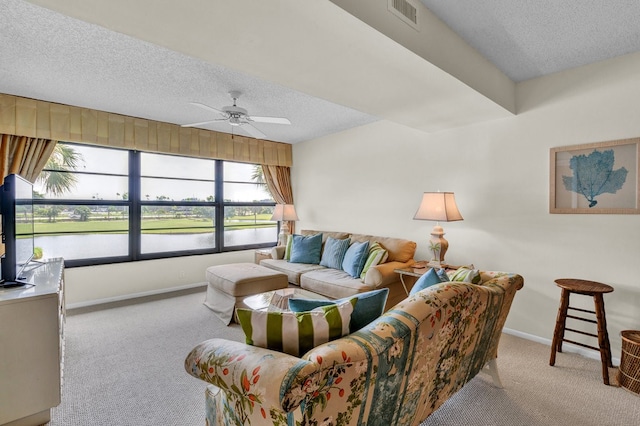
[(587, 288)]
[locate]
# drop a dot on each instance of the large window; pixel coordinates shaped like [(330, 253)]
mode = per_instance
[(100, 205)]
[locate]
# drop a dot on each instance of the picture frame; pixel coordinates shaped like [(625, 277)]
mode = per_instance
[(595, 178)]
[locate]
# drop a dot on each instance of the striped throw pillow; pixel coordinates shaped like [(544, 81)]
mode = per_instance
[(377, 255), (296, 333), (465, 275), (287, 247)]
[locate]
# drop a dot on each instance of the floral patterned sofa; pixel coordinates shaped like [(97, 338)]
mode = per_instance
[(395, 371)]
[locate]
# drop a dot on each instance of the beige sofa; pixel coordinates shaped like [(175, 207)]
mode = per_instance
[(336, 284), (395, 371)]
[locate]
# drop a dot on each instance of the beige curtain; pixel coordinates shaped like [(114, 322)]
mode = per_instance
[(278, 180), (24, 156)]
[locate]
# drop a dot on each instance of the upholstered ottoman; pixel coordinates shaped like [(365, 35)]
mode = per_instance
[(230, 284)]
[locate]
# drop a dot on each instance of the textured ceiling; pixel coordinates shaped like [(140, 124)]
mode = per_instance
[(319, 67), (46, 55), (528, 39)]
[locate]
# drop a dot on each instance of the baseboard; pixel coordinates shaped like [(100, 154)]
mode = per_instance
[(106, 300), (566, 347)]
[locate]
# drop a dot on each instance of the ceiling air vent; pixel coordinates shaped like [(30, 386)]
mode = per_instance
[(406, 11)]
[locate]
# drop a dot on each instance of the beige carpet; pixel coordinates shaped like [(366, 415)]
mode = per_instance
[(124, 366)]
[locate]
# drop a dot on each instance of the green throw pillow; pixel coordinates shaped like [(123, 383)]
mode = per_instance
[(296, 333), (465, 275), (287, 247), (369, 307), (377, 255)]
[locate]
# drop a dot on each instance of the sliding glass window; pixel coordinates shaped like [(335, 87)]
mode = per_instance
[(100, 205)]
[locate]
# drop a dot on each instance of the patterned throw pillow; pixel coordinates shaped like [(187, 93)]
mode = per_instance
[(306, 249), (442, 274), (296, 333), (334, 251), (465, 275), (355, 257), (377, 255)]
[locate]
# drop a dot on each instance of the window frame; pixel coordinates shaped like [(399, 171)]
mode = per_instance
[(135, 203)]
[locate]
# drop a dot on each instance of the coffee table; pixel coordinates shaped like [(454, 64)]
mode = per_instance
[(278, 300)]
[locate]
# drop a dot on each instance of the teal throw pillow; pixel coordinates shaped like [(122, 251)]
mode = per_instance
[(334, 251), (306, 249), (442, 274), (369, 307), (355, 258), (427, 279), (296, 333)]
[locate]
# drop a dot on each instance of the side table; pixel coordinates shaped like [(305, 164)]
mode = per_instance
[(416, 272), (261, 254)]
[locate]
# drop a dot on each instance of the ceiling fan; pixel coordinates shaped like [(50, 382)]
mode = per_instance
[(237, 116)]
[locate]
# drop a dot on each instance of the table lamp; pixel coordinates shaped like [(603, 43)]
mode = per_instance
[(284, 213), (439, 207)]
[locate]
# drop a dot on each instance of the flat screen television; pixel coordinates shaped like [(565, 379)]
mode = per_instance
[(16, 195)]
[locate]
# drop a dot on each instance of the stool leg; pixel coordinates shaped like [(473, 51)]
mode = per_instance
[(558, 333), (603, 337)]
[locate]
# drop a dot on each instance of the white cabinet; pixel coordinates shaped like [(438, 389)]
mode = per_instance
[(32, 346)]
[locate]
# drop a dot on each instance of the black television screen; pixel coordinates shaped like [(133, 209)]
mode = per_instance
[(17, 228)]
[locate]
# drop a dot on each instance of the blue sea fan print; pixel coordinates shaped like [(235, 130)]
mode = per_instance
[(593, 175)]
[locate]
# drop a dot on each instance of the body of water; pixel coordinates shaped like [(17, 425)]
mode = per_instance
[(110, 245)]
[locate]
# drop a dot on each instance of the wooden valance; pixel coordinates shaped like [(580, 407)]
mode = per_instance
[(47, 120)]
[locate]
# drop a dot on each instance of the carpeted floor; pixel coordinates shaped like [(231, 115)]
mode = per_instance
[(124, 366)]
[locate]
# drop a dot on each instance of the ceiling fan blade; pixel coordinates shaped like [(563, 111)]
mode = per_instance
[(271, 120), (207, 107), (202, 123), (253, 131)]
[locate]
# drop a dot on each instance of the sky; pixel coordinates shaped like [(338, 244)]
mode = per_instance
[(157, 168)]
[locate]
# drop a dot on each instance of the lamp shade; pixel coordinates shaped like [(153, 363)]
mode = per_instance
[(438, 206), (283, 212)]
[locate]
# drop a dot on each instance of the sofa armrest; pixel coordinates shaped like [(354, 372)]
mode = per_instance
[(277, 252), (254, 374), (382, 275)]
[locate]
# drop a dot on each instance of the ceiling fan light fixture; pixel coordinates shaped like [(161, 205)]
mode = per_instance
[(237, 116)]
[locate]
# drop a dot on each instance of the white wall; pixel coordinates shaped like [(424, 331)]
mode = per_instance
[(106, 283), (370, 180)]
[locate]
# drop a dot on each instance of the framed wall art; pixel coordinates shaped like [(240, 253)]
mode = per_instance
[(595, 178)]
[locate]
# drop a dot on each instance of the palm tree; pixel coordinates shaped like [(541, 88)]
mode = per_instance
[(56, 177), (258, 176)]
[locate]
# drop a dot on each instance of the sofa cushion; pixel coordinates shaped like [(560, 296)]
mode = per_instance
[(333, 253), (377, 255), (400, 250), (332, 283), (467, 275), (296, 333), (306, 249), (355, 257), (427, 279), (369, 307), (293, 270)]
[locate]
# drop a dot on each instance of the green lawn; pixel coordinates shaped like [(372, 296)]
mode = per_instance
[(161, 225)]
